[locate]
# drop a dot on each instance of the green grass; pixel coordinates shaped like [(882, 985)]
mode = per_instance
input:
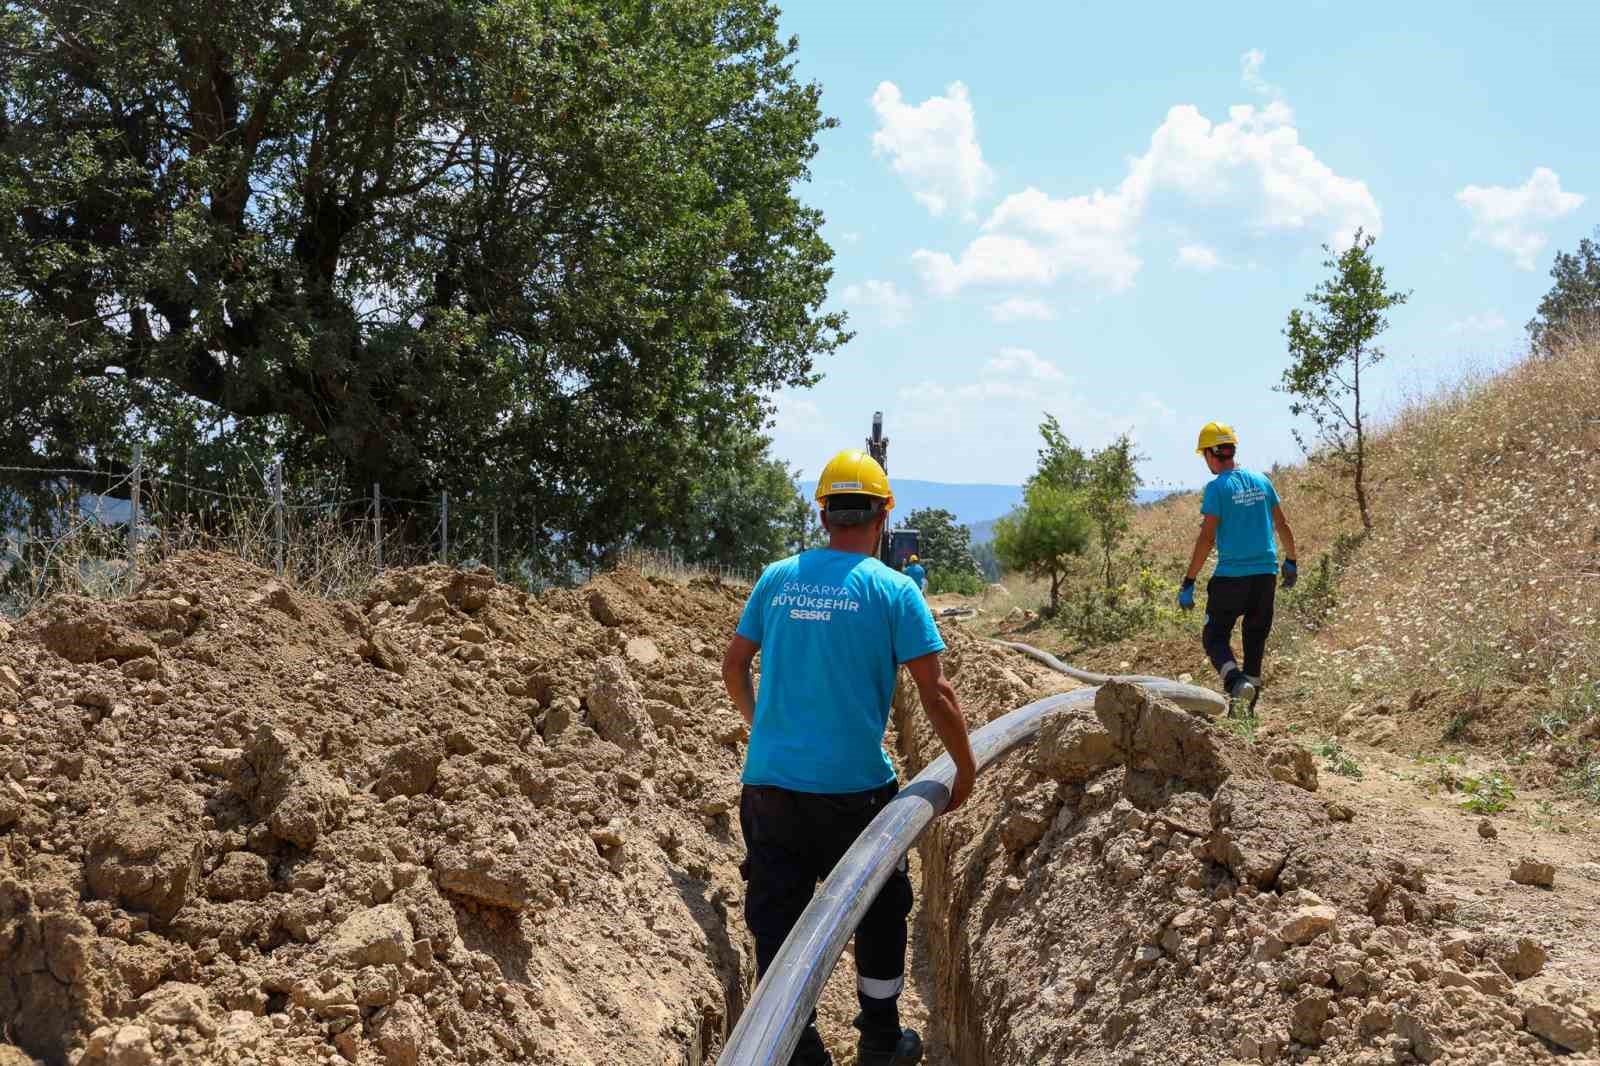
[(1337, 758), (1456, 728), (1440, 772), (1584, 782), (1244, 726), (1489, 794)]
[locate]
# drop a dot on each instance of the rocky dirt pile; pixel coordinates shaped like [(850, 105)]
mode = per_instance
[(450, 824), (1144, 887)]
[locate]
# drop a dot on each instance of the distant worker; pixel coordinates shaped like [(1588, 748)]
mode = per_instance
[(1240, 511), (916, 572), (833, 625)]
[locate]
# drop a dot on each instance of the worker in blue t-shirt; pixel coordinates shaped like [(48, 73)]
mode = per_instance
[(833, 626), (1239, 513), (916, 572)]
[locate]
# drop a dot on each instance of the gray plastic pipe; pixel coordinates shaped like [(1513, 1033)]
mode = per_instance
[(770, 1027), (1082, 675)]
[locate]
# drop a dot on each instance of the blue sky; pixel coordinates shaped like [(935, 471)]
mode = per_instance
[(1106, 211)]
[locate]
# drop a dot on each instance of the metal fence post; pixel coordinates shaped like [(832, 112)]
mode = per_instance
[(277, 508), (444, 528), (133, 518), (377, 524), (494, 558)]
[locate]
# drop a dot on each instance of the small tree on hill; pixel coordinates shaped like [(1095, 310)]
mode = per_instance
[(1043, 537), (1330, 344), (1108, 499), (944, 544), (1572, 306), (1061, 463)]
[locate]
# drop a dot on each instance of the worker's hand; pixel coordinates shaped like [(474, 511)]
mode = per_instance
[(1186, 594), (965, 776), (1291, 574)]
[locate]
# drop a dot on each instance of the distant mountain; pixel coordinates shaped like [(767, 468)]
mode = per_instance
[(975, 506), (969, 503)]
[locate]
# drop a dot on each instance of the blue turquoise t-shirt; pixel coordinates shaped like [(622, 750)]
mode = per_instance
[(916, 573), (1243, 501), (833, 628)]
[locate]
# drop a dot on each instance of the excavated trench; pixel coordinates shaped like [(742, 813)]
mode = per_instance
[(1140, 885), (452, 823)]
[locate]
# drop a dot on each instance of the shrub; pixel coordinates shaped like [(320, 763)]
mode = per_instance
[(963, 583)]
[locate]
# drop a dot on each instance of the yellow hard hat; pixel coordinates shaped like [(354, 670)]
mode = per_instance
[(912, 559), (855, 473), (1213, 434)]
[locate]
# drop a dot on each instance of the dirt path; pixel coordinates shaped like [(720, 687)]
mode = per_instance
[(1396, 806)]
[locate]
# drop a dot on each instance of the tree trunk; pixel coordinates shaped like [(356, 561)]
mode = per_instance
[(1055, 594)]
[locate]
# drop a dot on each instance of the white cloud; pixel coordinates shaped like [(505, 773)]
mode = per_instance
[(1511, 219), (1033, 238), (1250, 74), (1021, 363), (1198, 257), (1488, 322), (1022, 309), (933, 146), (849, 237), (795, 413), (1002, 406), (885, 297)]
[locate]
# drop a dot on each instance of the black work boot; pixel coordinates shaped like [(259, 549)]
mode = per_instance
[(1241, 694), (887, 1047), (810, 1051), (1255, 691)]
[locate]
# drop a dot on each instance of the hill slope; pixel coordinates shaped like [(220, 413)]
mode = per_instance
[(1471, 612)]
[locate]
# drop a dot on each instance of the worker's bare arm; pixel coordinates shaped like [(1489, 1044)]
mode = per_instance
[(736, 675), (1203, 543), (1281, 522), (939, 704)]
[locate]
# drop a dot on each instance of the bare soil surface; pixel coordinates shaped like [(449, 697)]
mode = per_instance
[(454, 823), (450, 824)]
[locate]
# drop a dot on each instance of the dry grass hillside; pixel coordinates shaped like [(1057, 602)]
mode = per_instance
[(1470, 616)]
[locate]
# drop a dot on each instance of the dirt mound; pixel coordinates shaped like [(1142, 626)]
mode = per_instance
[(1141, 887), (451, 824)]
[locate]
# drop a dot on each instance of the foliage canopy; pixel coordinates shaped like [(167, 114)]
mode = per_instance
[(1572, 306), (549, 250), (944, 545)]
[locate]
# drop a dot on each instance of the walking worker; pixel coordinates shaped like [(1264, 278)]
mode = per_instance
[(833, 625), (916, 572), (1240, 512)]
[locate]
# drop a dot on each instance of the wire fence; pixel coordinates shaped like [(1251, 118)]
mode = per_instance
[(91, 533)]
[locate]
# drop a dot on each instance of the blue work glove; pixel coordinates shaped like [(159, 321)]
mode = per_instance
[(1186, 594), (1291, 574)]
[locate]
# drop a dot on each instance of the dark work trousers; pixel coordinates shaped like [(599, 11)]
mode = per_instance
[(1229, 599), (792, 841)]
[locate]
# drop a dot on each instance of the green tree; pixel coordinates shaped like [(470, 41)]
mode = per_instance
[(740, 515), (1108, 498), (1330, 343), (549, 250), (988, 562), (1572, 306), (805, 521), (1061, 463), (1043, 537), (944, 545)]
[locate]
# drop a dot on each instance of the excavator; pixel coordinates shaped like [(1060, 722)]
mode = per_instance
[(898, 545)]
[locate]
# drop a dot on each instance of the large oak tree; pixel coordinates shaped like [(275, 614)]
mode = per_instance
[(549, 248)]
